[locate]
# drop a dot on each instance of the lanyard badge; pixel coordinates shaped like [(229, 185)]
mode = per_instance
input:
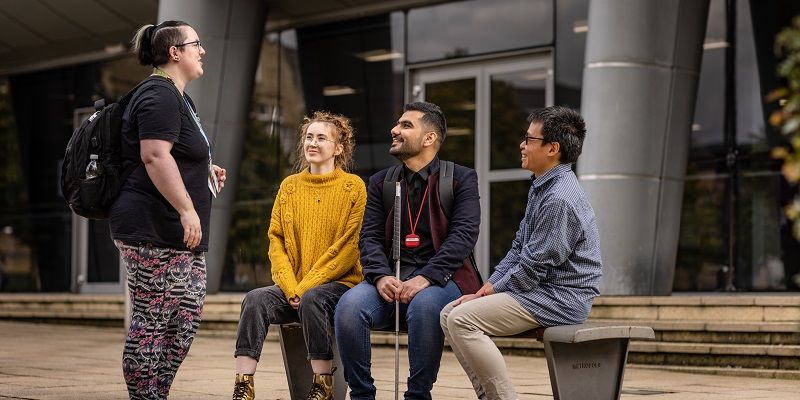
[(213, 182), (412, 240)]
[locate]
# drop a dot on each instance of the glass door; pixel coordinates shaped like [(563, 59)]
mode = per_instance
[(486, 105)]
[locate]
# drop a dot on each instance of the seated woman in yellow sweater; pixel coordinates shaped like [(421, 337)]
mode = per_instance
[(313, 248)]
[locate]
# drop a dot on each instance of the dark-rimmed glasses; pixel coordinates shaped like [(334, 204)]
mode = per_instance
[(527, 138), (196, 43)]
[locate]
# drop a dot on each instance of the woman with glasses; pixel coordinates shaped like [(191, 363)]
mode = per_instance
[(160, 220), (313, 248)]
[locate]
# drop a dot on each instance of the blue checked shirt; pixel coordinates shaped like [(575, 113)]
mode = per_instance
[(553, 268)]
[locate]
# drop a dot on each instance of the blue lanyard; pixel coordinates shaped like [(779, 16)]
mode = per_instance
[(197, 122)]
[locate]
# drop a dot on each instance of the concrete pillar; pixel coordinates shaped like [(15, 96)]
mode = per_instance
[(231, 32), (639, 89)]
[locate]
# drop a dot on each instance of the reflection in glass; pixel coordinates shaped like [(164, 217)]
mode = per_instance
[(702, 262), (467, 28), (766, 247), (457, 100), (514, 96), (766, 255), (508, 201), (278, 106), (571, 27), (17, 266), (750, 118), (355, 68), (707, 138)]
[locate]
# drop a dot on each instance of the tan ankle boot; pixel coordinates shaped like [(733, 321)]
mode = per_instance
[(245, 388), (322, 389)]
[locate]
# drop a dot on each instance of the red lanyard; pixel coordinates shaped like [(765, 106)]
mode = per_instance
[(419, 213)]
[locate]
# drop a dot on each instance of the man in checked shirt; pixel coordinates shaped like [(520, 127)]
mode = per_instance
[(550, 275)]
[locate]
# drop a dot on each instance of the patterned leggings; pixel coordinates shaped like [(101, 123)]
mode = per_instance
[(167, 289)]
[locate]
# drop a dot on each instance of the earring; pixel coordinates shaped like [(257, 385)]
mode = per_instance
[(176, 58)]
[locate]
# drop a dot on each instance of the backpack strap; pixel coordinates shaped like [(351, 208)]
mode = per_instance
[(446, 187), (154, 81), (446, 197), (392, 176)]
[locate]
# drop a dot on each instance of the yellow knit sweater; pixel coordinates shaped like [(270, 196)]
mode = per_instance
[(313, 234)]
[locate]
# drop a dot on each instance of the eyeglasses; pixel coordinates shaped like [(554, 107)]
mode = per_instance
[(320, 140), (527, 138), (196, 43)]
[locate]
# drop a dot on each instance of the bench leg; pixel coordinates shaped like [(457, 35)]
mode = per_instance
[(298, 369), (589, 370)]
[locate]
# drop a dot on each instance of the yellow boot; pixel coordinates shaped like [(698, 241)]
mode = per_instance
[(245, 388), (322, 389)]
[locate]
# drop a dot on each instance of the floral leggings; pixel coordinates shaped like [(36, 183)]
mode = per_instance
[(167, 289)]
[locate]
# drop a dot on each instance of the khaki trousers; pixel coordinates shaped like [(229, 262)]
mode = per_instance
[(467, 328)]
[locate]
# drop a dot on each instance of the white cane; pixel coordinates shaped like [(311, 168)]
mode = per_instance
[(396, 256)]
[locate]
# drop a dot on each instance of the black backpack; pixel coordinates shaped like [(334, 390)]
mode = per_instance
[(101, 135), (445, 194)]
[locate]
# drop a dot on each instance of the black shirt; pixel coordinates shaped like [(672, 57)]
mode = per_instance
[(414, 186), (141, 214)]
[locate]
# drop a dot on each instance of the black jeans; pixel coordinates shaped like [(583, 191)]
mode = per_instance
[(268, 305)]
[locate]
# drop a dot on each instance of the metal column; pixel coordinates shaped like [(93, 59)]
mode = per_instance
[(231, 32), (639, 89)]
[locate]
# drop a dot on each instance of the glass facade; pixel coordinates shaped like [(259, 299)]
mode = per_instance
[(277, 107), (37, 116), (468, 28), (734, 236), (572, 24), (521, 54)]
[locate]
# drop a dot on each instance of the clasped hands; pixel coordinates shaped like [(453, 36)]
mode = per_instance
[(391, 288)]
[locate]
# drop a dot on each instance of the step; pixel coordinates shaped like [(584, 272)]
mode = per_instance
[(727, 371), (748, 332), (703, 308)]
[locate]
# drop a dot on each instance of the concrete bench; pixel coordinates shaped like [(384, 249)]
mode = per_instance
[(585, 361), (298, 369)]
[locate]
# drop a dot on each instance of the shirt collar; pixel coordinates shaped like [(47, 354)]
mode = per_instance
[(424, 172), (558, 170)]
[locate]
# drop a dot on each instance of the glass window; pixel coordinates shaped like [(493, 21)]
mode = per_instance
[(702, 263), (508, 201), (733, 233), (762, 229), (18, 268), (457, 99), (707, 139), (38, 219), (468, 28), (571, 27), (703, 259), (355, 68), (513, 97), (277, 109)]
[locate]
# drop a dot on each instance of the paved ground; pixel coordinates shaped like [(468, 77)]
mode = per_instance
[(39, 361)]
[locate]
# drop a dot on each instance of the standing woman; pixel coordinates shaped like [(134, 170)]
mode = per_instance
[(313, 248), (160, 219)]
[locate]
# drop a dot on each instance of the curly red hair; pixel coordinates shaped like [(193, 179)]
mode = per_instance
[(345, 137)]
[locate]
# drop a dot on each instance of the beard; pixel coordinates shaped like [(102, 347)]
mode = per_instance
[(405, 149)]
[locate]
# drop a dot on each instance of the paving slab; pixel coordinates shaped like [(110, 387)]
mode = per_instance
[(43, 362)]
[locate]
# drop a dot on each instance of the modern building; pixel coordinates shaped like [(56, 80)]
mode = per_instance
[(677, 160)]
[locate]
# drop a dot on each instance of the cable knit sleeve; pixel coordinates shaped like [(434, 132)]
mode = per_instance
[(342, 256), (282, 271)]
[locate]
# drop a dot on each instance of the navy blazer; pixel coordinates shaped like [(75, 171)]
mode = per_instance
[(453, 239)]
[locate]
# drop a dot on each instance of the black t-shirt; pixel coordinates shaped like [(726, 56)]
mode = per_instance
[(141, 214)]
